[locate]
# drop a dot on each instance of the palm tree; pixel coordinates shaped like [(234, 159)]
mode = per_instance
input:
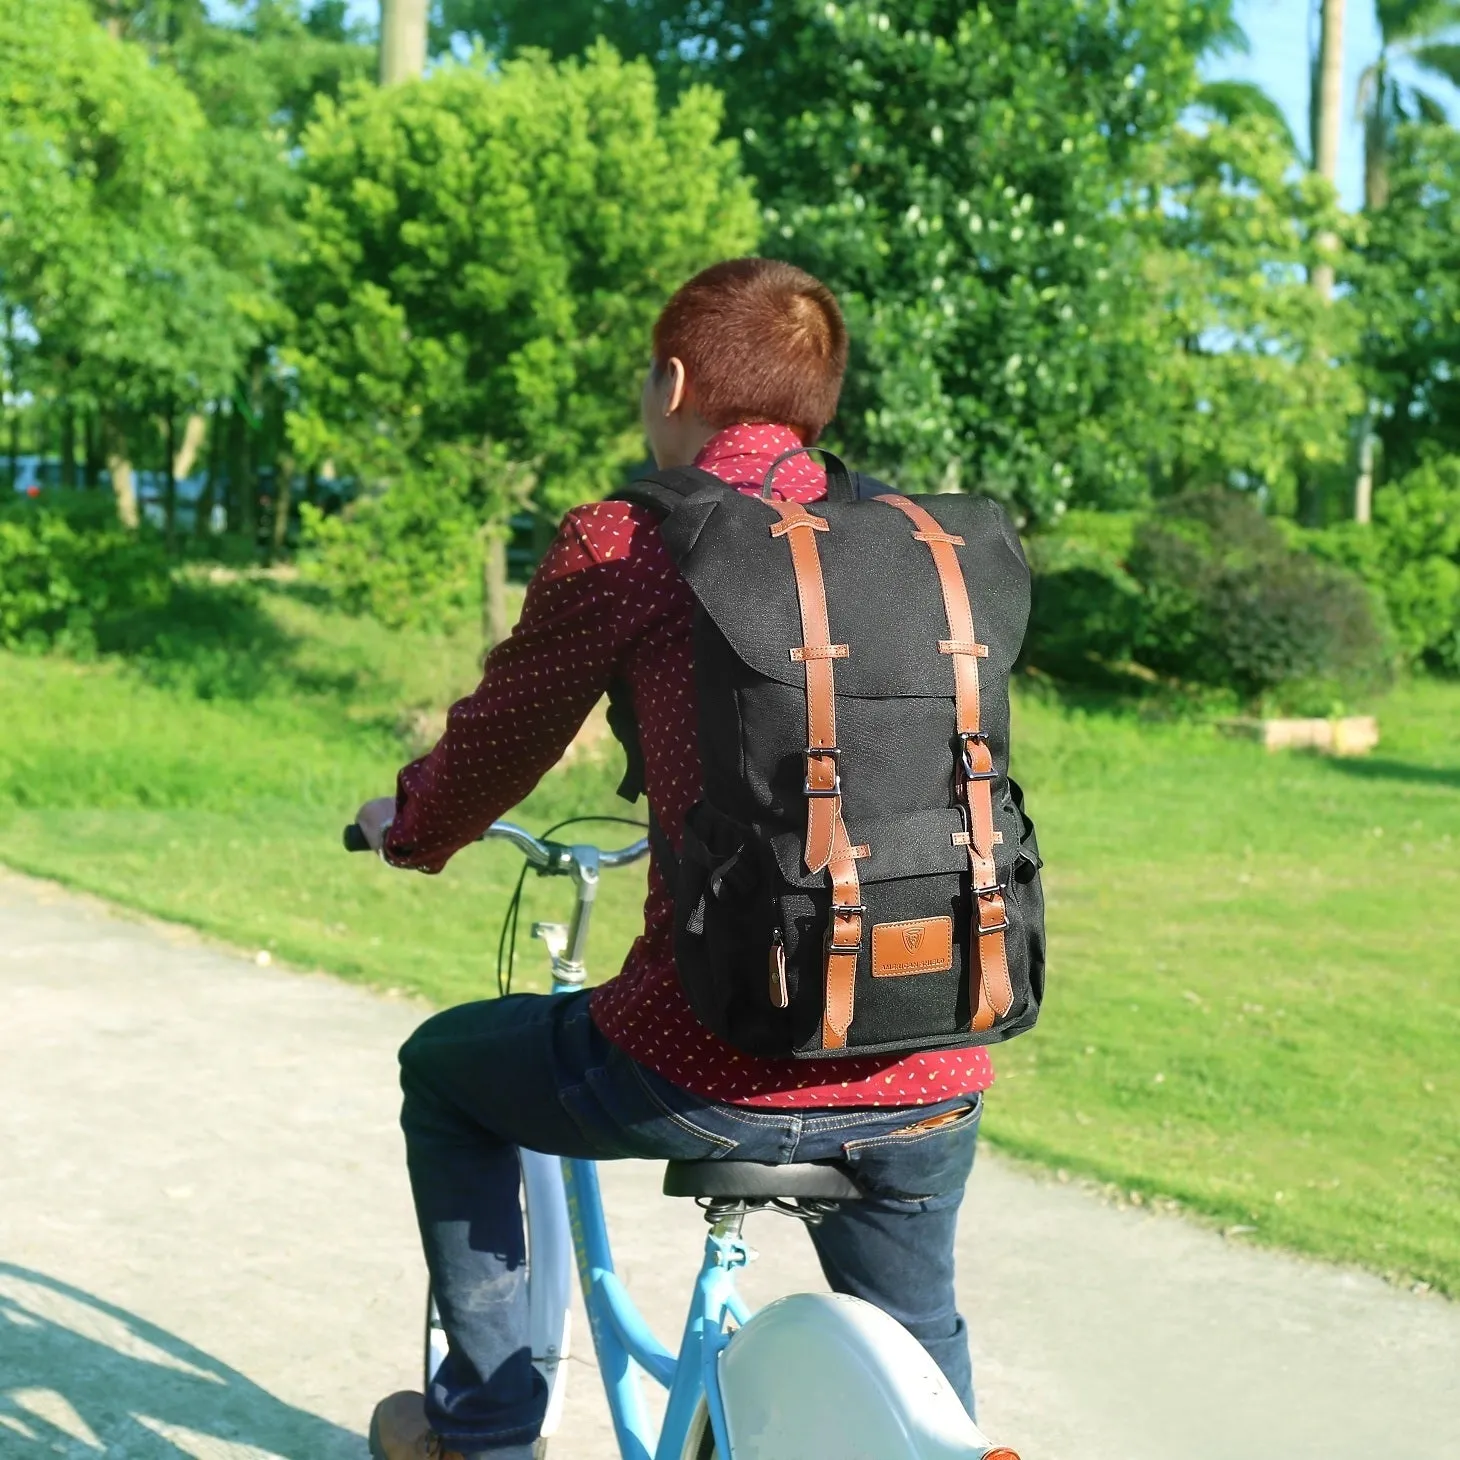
[(402, 39), (1421, 36), (1327, 102)]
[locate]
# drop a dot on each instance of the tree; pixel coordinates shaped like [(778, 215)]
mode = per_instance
[(1328, 114), (950, 169), (402, 40), (483, 254), (104, 244), (1247, 383), (1405, 280), (1419, 36)]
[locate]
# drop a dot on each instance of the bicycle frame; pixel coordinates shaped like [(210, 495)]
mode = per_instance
[(624, 1343)]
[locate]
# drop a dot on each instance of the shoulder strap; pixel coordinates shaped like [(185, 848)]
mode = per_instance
[(663, 490), (994, 995)]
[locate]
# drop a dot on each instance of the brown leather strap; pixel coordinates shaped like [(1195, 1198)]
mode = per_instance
[(817, 653), (827, 843), (843, 941), (993, 994)]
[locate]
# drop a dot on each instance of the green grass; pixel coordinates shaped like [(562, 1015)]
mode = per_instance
[(1254, 1000)]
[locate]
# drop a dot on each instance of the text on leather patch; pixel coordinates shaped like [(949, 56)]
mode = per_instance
[(924, 945)]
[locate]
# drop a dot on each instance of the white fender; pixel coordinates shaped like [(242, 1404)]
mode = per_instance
[(550, 1269), (818, 1376)]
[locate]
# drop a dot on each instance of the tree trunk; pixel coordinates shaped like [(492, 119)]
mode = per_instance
[(1328, 119), (283, 499), (208, 498), (495, 627), (402, 40), (68, 446), (1376, 144), (186, 456), (12, 359), (169, 497), (119, 464), (91, 467), (237, 470), (1364, 480), (249, 425)]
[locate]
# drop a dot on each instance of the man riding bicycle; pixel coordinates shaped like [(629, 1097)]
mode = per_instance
[(747, 364)]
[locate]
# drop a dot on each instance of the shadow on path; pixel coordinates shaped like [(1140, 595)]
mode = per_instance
[(79, 1376), (1399, 770)]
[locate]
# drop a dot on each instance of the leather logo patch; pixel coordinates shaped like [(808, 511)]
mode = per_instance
[(923, 945)]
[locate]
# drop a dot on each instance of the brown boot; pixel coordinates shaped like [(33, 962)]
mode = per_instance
[(398, 1431)]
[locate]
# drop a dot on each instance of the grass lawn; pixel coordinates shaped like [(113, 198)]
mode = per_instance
[(1254, 1001)]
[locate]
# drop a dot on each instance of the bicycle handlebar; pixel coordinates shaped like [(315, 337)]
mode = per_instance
[(547, 857)]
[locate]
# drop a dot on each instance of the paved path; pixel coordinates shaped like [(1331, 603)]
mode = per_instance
[(206, 1247)]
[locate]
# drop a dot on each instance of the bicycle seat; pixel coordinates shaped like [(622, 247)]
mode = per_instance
[(756, 1181)]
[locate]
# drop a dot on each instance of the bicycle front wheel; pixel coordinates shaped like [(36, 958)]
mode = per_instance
[(701, 1442)]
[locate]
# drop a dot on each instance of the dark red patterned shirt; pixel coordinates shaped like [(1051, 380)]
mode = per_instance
[(608, 603)]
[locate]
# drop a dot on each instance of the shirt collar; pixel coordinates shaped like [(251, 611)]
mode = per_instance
[(741, 455)]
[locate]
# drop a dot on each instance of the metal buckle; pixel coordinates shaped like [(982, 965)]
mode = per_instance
[(848, 909), (833, 753), (1002, 927), (997, 890), (975, 737)]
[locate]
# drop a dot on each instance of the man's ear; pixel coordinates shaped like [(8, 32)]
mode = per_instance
[(674, 368)]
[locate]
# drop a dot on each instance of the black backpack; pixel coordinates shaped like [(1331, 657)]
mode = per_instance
[(860, 877)]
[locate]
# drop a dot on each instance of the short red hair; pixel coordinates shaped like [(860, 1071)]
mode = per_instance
[(761, 342)]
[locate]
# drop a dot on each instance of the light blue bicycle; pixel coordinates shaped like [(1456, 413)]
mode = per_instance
[(815, 1376)]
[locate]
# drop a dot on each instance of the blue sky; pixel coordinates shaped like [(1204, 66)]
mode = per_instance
[(1279, 31)]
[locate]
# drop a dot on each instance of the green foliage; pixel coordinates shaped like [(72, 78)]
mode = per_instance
[(1204, 591), (106, 220), (1245, 379), (953, 170), (1410, 557), (1406, 283), (1087, 609), (1419, 34), (1229, 603), (483, 253), (64, 574), (1059, 293), (412, 553)]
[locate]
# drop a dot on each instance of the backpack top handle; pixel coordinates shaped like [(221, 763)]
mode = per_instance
[(839, 484)]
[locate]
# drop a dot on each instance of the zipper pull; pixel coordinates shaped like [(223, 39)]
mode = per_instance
[(780, 992)]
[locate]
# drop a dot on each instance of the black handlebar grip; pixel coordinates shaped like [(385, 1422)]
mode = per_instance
[(355, 839)]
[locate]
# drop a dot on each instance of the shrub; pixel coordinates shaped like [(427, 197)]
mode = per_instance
[(412, 553), (1410, 556), (1086, 609), (67, 567), (1227, 602)]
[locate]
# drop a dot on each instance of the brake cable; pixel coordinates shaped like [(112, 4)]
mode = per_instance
[(507, 941)]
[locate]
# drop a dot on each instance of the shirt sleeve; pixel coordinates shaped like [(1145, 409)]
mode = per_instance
[(584, 608)]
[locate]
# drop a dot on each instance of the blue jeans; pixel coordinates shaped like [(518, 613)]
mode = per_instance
[(532, 1070)]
